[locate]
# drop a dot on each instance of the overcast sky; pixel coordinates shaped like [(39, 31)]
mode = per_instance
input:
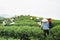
[(42, 8)]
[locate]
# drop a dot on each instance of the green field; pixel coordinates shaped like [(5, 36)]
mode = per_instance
[(26, 29)]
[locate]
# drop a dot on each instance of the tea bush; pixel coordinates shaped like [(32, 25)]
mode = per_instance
[(27, 29), (21, 32), (55, 32)]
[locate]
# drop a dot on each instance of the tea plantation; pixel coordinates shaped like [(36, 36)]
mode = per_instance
[(27, 29)]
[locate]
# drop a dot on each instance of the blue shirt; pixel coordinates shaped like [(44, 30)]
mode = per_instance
[(45, 25)]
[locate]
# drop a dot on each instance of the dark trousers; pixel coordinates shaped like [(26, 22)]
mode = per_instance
[(46, 32), (50, 25)]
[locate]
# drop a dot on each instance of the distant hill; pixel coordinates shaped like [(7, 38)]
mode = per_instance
[(1, 18)]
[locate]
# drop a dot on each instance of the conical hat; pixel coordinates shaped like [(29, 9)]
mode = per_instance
[(44, 20)]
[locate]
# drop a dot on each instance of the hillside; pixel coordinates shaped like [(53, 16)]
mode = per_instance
[(25, 29), (25, 20)]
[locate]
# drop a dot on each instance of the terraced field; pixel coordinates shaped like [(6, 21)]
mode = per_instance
[(27, 29)]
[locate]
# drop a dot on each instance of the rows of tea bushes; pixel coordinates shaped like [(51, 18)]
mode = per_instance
[(55, 22), (24, 21), (3, 38), (55, 32), (24, 32), (27, 29)]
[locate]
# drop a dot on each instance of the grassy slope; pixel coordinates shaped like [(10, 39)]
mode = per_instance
[(25, 22)]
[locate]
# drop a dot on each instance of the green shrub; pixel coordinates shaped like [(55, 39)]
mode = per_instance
[(21, 32), (28, 29), (55, 32)]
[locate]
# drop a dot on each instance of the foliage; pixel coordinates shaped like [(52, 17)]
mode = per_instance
[(21, 32), (55, 32), (26, 29)]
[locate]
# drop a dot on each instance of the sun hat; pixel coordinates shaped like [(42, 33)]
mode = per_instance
[(44, 20)]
